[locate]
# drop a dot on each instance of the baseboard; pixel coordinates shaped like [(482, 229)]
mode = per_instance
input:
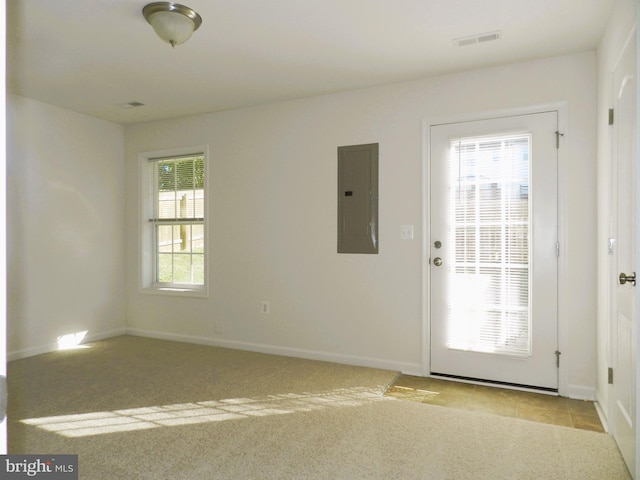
[(580, 392), (53, 347), (602, 410), (602, 415), (408, 368)]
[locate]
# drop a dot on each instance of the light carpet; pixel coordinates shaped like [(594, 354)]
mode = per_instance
[(138, 408)]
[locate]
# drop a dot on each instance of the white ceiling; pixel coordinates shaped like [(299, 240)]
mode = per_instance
[(93, 55)]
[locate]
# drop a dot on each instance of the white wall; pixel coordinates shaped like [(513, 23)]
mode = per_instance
[(616, 33), (65, 232), (273, 212)]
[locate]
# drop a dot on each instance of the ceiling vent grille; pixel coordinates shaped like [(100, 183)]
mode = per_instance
[(481, 38), (131, 105)]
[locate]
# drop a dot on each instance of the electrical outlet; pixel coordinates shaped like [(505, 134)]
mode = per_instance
[(265, 307)]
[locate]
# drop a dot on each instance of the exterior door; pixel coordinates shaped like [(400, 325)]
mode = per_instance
[(624, 260), (493, 249)]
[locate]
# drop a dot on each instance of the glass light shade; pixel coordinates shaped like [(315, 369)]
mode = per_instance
[(172, 22), (174, 28)]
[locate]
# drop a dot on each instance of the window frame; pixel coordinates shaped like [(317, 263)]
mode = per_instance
[(148, 257)]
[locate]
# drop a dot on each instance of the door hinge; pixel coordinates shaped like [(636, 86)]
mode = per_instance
[(557, 353), (610, 376), (557, 249), (558, 135), (611, 116)]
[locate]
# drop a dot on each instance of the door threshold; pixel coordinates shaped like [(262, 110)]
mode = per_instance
[(496, 384)]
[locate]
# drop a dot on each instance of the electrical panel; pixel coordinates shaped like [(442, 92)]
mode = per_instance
[(358, 198)]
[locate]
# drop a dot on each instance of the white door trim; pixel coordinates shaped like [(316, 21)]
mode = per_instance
[(637, 339), (3, 226), (563, 270)]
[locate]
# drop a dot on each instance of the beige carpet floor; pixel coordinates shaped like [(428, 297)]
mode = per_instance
[(136, 408)]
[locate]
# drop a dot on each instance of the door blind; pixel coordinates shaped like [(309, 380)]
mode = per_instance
[(489, 304)]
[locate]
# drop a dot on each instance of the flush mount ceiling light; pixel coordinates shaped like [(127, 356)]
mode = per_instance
[(172, 22)]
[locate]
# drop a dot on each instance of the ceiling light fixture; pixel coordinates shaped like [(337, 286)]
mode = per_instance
[(172, 22)]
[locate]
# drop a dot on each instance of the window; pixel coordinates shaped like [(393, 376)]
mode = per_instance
[(174, 222)]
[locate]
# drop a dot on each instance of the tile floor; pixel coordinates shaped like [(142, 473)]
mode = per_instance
[(511, 403)]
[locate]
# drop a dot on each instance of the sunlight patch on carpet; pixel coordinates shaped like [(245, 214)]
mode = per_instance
[(98, 423)]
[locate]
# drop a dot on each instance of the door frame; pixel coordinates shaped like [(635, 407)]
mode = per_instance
[(3, 223), (561, 108), (637, 160)]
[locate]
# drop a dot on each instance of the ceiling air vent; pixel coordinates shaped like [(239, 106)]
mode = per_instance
[(131, 105), (481, 38)]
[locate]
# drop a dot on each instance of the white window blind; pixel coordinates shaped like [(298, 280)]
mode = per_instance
[(178, 218), (490, 231)]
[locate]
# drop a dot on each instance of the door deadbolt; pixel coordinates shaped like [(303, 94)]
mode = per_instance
[(624, 278), (437, 261), (437, 244)]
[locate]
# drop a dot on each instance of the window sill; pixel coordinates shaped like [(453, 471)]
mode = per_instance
[(176, 291)]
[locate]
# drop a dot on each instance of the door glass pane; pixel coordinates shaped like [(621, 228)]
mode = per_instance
[(489, 214)]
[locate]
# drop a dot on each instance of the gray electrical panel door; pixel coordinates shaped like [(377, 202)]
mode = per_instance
[(358, 199)]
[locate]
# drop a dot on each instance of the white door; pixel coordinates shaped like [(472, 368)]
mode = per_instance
[(493, 249), (624, 261)]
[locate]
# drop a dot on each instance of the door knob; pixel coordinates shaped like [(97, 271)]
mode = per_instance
[(624, 278), (438, 261)]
